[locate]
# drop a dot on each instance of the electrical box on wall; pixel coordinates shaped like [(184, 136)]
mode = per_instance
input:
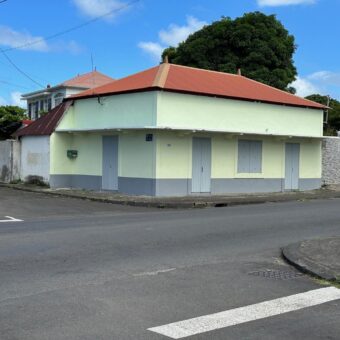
[(72, 154), (149, 137)]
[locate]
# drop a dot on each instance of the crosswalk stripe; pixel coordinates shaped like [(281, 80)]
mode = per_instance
[(202, 324)]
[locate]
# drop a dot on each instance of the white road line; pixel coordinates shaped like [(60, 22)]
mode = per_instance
[(202, 324), (11, 219)]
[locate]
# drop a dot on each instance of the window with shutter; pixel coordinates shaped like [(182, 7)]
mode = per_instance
[(249, 156)]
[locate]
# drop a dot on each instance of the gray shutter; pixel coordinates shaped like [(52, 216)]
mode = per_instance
[(243, 156), (255, 157)]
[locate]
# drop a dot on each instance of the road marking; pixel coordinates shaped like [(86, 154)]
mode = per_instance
[(156, 272), (11, 219), (202, 324)]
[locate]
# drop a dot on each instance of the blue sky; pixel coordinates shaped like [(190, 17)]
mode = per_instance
[(131, 40)]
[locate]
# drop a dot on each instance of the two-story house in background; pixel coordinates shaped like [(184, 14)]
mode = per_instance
[(46, 99)]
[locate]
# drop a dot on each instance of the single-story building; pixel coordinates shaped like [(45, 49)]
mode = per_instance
[(35, 145), (175, 130)]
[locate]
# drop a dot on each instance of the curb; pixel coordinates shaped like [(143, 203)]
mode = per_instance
[(219, 202), (301, 262)]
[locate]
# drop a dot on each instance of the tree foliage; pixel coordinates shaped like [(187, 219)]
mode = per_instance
[(256, 43), (10, 120), (333, 124)]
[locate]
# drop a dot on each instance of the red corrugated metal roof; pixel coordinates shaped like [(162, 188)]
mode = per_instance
[(88, 80), (46, 124), (176, 78)]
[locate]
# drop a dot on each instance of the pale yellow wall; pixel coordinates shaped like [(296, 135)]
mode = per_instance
[(198, 112), (310, 159), (173, 155), (223, 157), (136, 156), (119, 111)]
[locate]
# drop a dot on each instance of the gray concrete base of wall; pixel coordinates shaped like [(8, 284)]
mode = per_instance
[(179, 187)]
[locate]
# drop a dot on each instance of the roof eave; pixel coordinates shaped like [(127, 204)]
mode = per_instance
[(156, 88)]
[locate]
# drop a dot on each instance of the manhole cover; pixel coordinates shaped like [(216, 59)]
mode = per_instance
[(276, 274)]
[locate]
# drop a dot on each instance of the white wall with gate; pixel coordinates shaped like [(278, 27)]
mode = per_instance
[(9, 161), (35, 158)]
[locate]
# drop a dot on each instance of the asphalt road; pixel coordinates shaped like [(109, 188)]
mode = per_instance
[(76, 269)]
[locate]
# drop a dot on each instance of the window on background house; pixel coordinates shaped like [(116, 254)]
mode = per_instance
[(249, 156), (41, 105), (30, 110), (49, 104), (36, 109), (58, 98)]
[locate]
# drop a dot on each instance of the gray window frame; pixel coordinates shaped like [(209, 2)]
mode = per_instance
[(249, 159)]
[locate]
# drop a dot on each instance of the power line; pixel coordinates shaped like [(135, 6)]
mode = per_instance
[(2, 1), (19, 69), (13, 84), (73, 28)]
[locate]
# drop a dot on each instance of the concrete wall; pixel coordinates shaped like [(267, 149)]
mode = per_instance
[(9, 161), (198, 112), (135, 110), (164, 166), (35, 158), (331, 160)]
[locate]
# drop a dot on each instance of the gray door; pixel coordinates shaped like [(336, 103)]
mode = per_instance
[(201, 164), (292, 166), (110, 163)]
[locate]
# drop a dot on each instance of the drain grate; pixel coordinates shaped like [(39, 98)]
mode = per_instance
[(277, 274)]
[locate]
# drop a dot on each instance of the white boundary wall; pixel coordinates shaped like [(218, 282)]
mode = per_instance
[(35, 157), (9, 160)]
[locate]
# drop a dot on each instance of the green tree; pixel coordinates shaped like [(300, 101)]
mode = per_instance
[(10, 120), (256, 43), (333, 124)]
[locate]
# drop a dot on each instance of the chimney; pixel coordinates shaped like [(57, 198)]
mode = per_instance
[(239, 73), (48, 86), (166, 60)]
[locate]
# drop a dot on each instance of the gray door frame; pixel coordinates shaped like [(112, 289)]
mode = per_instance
[(201, 165), (292, 166), (110, 163)]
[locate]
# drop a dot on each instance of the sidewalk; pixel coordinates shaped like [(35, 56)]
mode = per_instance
[(320, 257), (183, 202)]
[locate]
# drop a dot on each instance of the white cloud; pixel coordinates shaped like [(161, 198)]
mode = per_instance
[(95, 8), (15, 99), (326, 77), (172, 36), (176, 34), (322, 82), (154, 49), (12, 38), (304, 87), (273, 3)]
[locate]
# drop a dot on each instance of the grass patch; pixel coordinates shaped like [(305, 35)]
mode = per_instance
[(323, 282)]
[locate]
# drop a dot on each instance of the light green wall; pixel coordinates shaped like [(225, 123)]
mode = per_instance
[(174, 156), (136, 156), (59, 144), (198, 112), (119, 111)]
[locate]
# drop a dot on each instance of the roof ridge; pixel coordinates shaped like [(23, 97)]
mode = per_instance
[(203, 69), (162, 75)]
